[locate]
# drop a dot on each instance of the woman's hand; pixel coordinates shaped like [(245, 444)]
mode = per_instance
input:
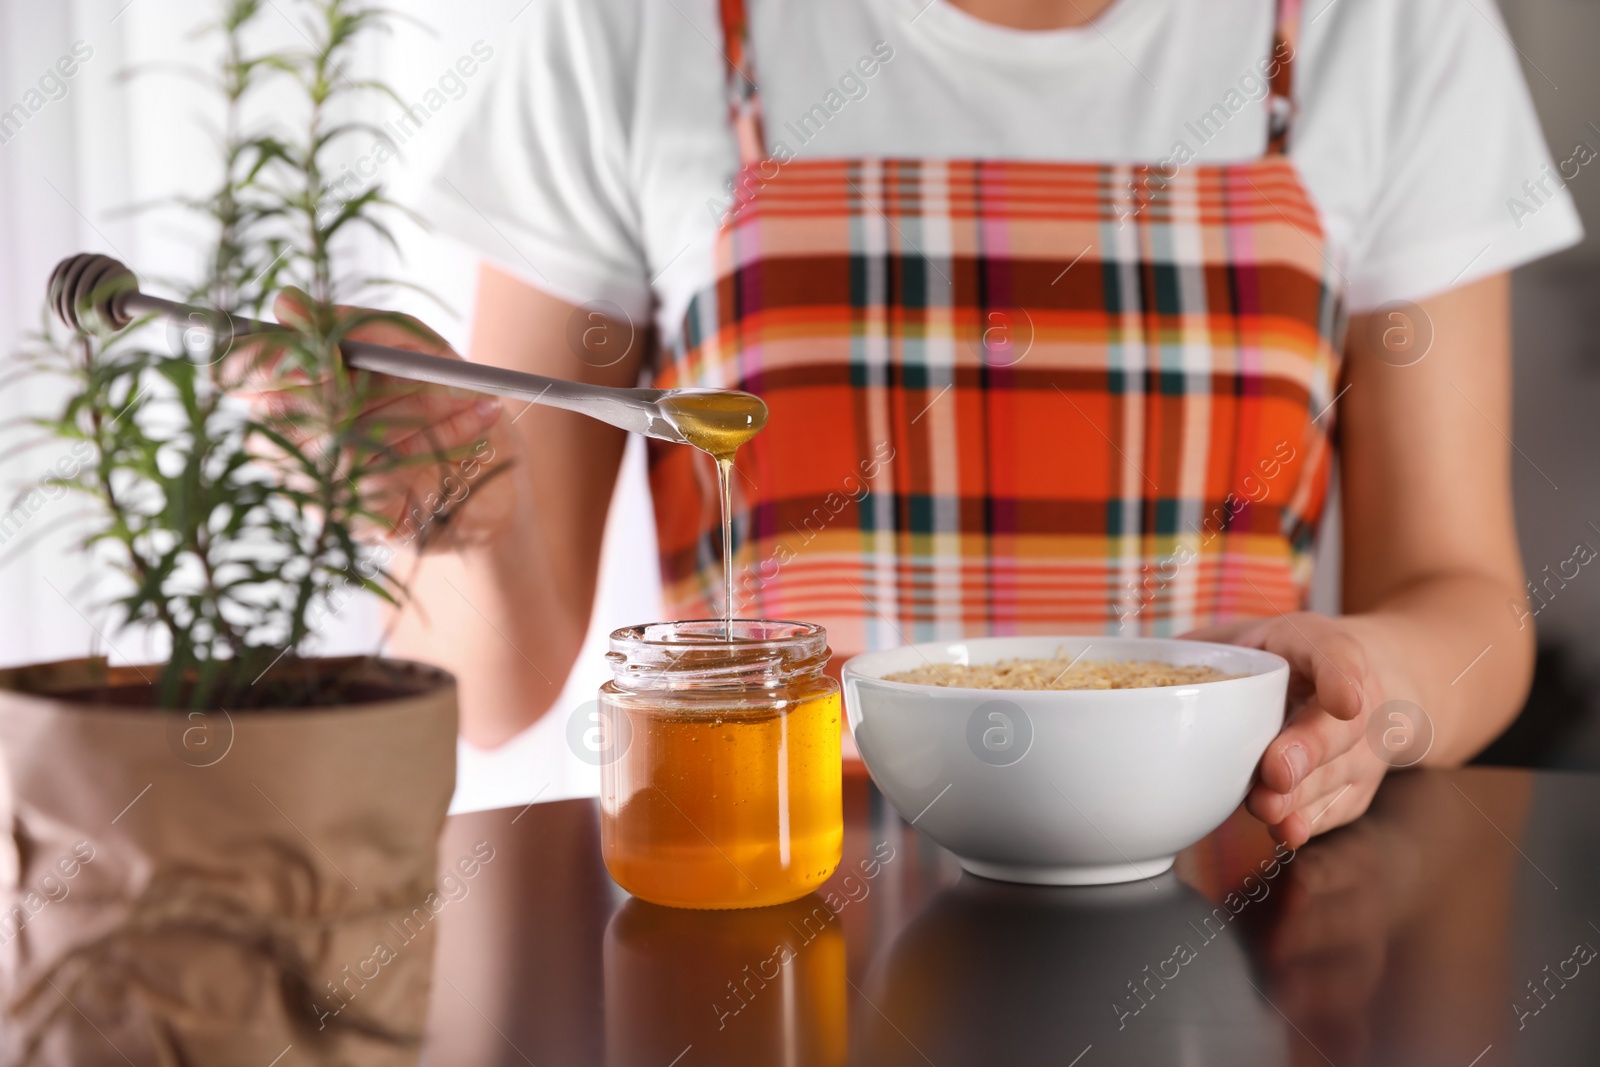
[(1432, 576), (1319, 772), (433, 483)]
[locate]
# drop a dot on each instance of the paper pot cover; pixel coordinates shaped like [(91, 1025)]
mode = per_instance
[(220, 887)]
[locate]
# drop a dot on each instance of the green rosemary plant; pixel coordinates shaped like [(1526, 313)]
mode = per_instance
[(235, 527)]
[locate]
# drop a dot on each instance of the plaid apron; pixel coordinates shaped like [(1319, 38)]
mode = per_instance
[(1009, 397)]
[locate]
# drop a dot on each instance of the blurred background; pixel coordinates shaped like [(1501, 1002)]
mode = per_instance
[(1557, 322), (129, 127)]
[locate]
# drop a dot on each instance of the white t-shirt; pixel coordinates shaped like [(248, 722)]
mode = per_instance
[(593, 164)]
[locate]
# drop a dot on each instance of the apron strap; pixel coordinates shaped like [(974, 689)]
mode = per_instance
[(1280, 101), (744, 101)]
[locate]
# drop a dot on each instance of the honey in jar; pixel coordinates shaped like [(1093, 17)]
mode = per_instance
[(721, 787)]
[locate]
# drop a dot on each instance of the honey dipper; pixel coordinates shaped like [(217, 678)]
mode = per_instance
[(89, 287)]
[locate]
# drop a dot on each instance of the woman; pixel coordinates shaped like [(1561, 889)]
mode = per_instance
[(1056, 305)]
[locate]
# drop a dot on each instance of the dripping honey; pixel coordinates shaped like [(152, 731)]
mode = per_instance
[(717, 422)]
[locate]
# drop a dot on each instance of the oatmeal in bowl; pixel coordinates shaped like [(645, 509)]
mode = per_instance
[(1059, 672), (1064, 760)]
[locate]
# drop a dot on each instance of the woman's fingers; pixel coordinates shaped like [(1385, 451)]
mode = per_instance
[(255, 360), (1273, 802), (1317, 773), (1311, 739), (401, 415), (377, 327), (305, 398), (407, 425), (441, 433), (405, 435), (1330, 796), (1319, 649)]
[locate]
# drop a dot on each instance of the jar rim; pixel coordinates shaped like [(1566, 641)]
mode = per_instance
[(700, 653), (710, 633)]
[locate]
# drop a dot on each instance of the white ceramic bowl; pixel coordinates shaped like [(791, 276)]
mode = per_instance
[(1065, 787)]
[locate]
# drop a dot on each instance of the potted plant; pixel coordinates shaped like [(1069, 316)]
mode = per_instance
[(211, 857)]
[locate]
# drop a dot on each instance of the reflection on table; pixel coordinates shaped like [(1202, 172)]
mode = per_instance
[(1452, 925), (1402, 940)]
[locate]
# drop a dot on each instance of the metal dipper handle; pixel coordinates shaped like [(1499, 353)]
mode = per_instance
[(90, 287)]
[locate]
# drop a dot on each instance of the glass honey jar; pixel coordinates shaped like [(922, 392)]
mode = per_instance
[(721, 788)]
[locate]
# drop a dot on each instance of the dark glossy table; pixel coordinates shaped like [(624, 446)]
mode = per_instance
[(1453, 925)]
